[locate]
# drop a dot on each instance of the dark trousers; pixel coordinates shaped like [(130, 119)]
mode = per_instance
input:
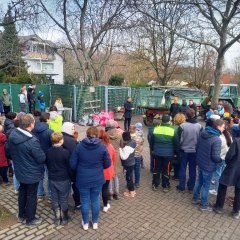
[(129, 178), (190, 160), (6, 109), (105, 193), (127, 123), (76, 195), (222, 190), (161, 166), (3, 173), (31, 107), (27, 201), (59, 193)]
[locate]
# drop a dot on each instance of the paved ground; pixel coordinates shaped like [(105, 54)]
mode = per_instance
[(151, 215)]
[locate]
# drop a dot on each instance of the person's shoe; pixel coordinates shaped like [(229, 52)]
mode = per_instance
[(166, 189), (137, 185), (180, 190), (57, 216), (65, 217), (154, 187), (35, 222), (115, 196), (217, 210), (20, 219), (95, 226), (105, 209), (213, 192), (85, 226), (196, 201), (206, 208), (78, 208), (236, 215), (16, 191)]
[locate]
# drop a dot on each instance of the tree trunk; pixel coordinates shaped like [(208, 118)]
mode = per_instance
[(217, 75)]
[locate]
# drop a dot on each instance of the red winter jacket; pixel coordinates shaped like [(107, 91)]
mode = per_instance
[(109, 172), (3, 158)]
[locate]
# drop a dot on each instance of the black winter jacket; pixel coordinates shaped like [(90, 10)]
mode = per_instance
[(128, 109), (231, 173), (69, 142), (8, 126), (43, 134), (174, 109), (27, 155), (209, 149)]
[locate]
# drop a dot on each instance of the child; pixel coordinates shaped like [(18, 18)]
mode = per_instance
[(128, 162), (3, 158), (41, 103), (141, 134), (138, 154), (57, 159), (56, 119)]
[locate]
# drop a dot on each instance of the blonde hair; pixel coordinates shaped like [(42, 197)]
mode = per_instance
[(56, 137), (132, 129), (92, 132), (179, 119)]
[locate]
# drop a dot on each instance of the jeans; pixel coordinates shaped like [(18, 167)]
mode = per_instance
[(222, 190), (114, 185), (27, 201), (161, 166), (40, 186), (127, 123), (16, 183), (60, 191), (202, 186), (90, 195), (187, 159), (137, 169), (3, 174), (105, 193), (129, 178), (217, 174), (151, 161)]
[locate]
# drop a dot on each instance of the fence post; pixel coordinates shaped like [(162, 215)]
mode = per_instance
[(106, 99), (129, 91), (10, 92), (50, 95), (74, 103)]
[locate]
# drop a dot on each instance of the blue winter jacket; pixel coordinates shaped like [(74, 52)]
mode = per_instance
[(43, 134), (209, 149), (27, 155), (89, 158)]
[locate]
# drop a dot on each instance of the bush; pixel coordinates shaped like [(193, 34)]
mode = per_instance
[(2, 77), (116, 80), (139, 84)]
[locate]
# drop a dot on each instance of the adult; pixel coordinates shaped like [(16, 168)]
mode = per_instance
[(7, 101), (23, 99), (184, 107), (56, 119), (43, 134), (69, 143), (193, 106), (188, 133), (115, 139), (230, 177), (208, 156), (175, 107), (31, 97), (163, 143), (89, 158), (127, 113), (28, 158), (9, 123)]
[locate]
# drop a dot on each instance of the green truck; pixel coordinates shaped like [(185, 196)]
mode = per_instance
[(228, 95), (158, 100)]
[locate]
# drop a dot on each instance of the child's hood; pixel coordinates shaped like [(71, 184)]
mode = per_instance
[(54, 115)]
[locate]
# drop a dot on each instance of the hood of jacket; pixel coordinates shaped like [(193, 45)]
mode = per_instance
[(53, 115), (8, 122), (91, 143), (19, 136), (210, 132), (192, 120), (113, 134), (41, 127)]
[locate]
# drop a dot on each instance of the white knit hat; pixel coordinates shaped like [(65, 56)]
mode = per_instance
[(67, 128)]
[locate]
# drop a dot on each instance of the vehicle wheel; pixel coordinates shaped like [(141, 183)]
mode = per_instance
[(227, 107)]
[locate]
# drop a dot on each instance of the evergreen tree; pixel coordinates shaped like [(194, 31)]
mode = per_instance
[(10, 52)]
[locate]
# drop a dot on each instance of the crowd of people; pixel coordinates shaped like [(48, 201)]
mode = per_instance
[(48, 160)]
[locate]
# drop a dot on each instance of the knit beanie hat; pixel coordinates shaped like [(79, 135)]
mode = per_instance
[(126, 136), (67, 128), (110, 123), (138, 126), (40, 93)]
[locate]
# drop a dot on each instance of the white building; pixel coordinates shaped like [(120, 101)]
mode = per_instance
[(42, 58)]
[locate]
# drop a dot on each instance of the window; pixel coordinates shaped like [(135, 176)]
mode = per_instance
[(224, 91), (233, 91), (47, 66)]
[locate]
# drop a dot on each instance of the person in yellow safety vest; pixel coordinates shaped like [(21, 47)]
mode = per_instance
[(164, 145)]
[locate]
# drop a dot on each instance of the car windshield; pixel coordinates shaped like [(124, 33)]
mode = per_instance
[(224, 91)]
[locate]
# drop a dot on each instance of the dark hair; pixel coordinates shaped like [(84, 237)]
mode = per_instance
[(236, 121), (11, 115), (190, 113), (26, 121), (44, 117), (210, 122), (227, 135), (37, 113), (126, 136), (227, 120), (218, 123), (53, 108)]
